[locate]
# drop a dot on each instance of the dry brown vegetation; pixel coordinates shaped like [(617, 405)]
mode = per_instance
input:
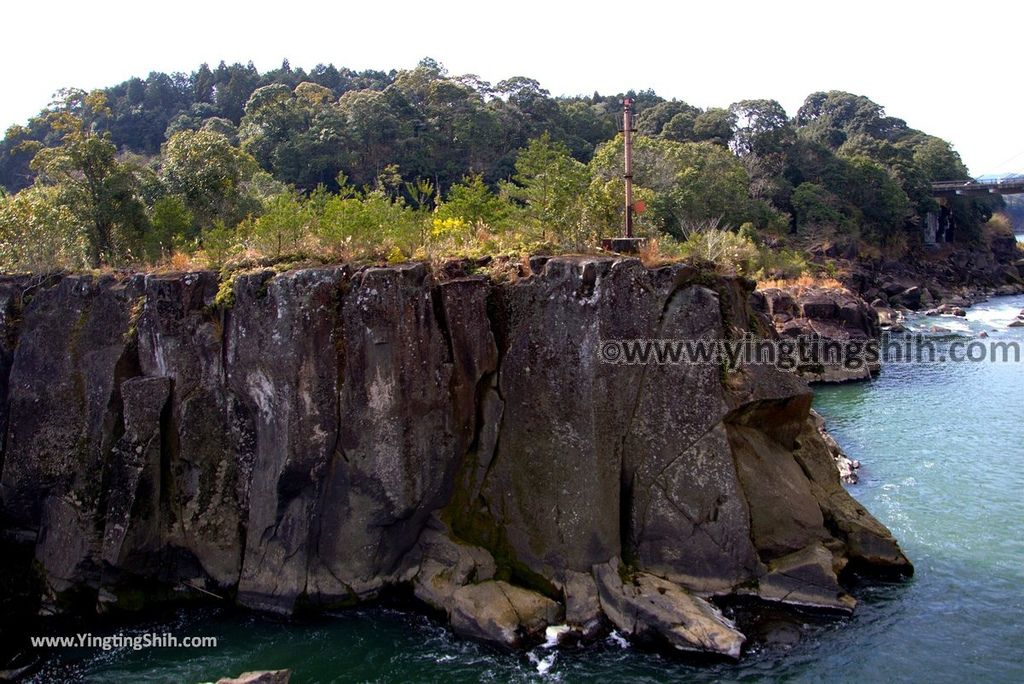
[(802, 283)]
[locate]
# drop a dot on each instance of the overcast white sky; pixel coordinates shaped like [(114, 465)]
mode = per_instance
[(949, 69)]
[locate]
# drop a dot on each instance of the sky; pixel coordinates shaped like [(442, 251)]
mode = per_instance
[(947, 68)]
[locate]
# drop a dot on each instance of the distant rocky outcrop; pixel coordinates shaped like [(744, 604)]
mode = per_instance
[(827, 314), (952, 274), (337, 431)]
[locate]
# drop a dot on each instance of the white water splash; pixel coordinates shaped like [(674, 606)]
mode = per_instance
[(618, 639), (544, 662), (553, 634)]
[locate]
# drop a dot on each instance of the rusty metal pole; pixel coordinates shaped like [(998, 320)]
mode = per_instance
[(627, 134)]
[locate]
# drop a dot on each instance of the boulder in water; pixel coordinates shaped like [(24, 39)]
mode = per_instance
[(806, 577), (501, 613), (650, 608), (259, 677), (446, 565), (946, 310), (844, 464), (582, 605)]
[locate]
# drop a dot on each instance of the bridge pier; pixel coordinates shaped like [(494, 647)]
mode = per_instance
[(938, 228), (931, 228)]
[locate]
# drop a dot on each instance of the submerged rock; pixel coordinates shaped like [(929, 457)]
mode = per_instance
[(259, 677)]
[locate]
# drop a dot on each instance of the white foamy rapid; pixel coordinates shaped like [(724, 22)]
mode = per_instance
[(543, 657), (994, 314)]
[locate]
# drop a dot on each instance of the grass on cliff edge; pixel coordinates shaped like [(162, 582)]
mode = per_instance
[(504, 254), (502, 257)]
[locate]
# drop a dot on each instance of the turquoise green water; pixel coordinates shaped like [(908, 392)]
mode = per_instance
[(943, 454)]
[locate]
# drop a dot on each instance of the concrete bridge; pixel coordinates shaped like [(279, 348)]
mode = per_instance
[(1010, 185), (938, 227)]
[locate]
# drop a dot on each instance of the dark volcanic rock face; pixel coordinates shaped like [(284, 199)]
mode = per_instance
[(283, 363), (65, 417), (207, 433), (337, 431)]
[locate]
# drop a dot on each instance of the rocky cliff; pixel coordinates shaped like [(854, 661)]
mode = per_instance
[(311, 438)]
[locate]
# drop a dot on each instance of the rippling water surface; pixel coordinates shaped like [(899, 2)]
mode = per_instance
[(943, 454)]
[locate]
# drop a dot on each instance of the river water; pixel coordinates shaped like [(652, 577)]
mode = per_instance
[(942, 448)]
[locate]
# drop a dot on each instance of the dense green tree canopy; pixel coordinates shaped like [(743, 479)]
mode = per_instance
[(229, 156), (208, 174)]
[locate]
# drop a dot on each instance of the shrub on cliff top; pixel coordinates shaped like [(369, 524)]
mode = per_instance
[(999, 225), (722, 247), (38, 233)]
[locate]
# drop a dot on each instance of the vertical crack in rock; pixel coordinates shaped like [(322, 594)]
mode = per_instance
[(549, 480), (437, 306), (496, 320), (688, 515), (337, 335), (205, 462), (464, 310), (111, 492), (627, 533)]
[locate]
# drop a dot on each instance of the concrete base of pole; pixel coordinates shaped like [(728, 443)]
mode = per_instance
[(623, 245)]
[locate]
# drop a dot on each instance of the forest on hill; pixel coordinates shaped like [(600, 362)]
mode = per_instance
[(229, 163)]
